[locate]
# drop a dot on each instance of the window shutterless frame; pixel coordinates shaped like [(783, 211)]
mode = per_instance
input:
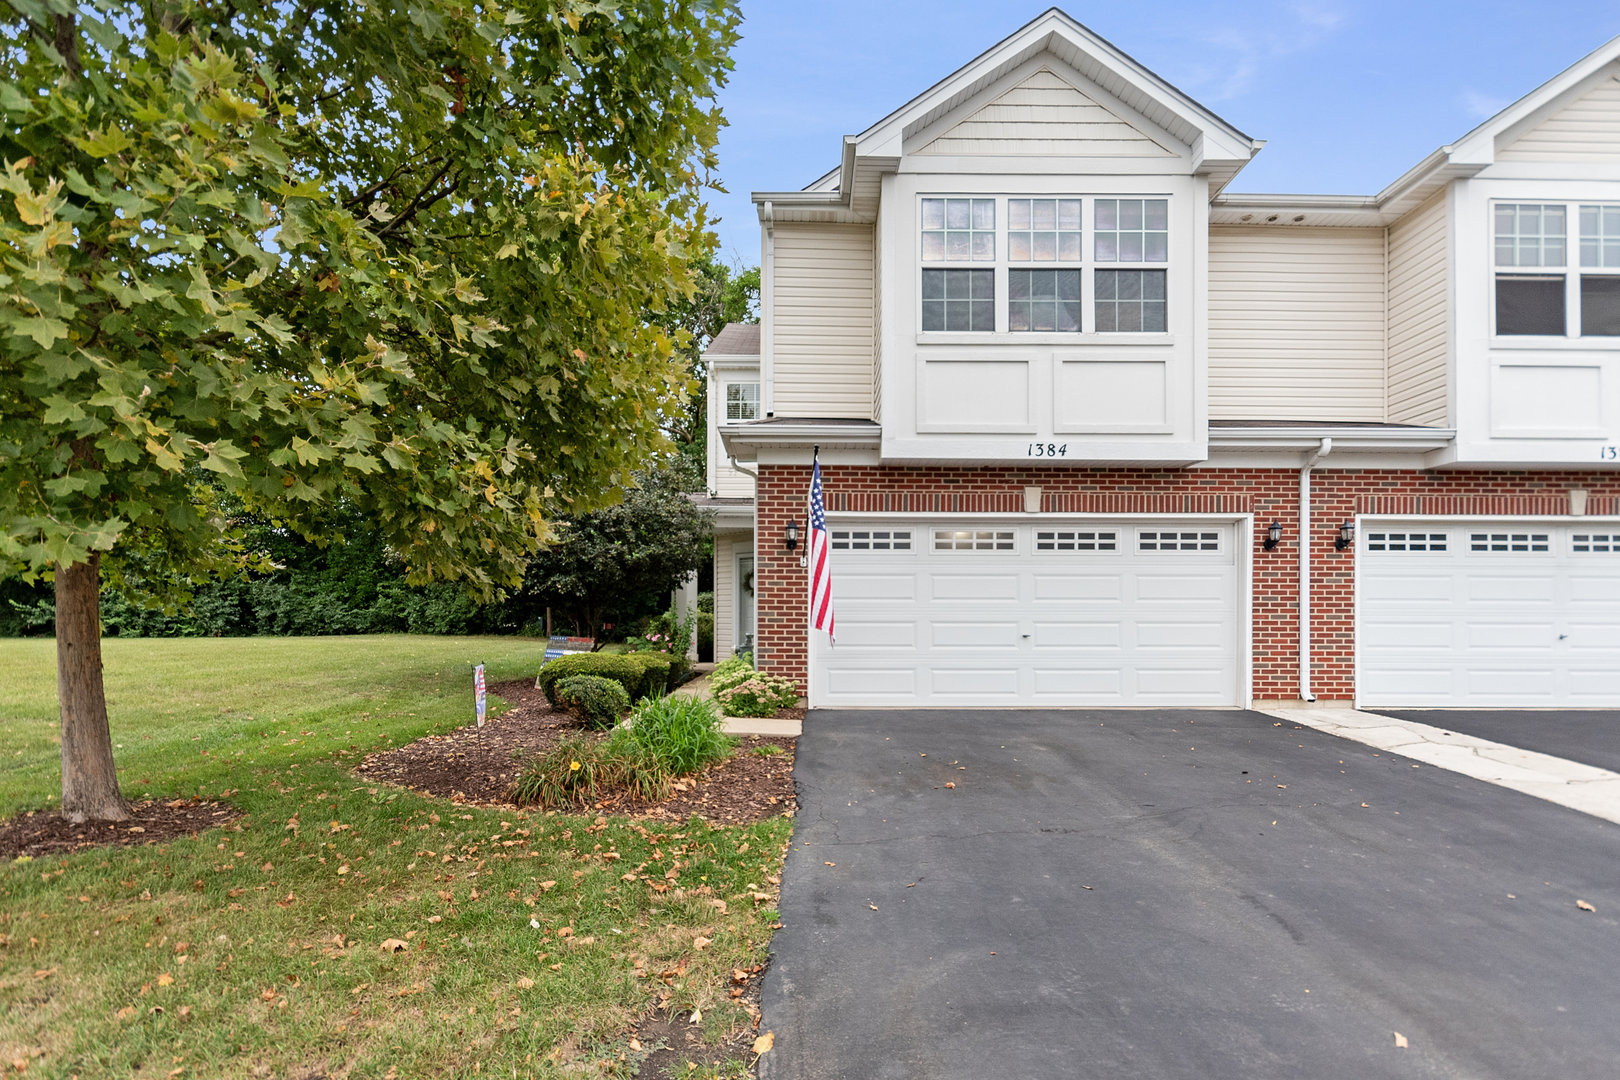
[(1058, 265), (1555, 269)]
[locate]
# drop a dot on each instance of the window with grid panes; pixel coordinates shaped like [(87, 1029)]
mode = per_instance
[(1130, 231), (1557, 269), (742, 401), (958, 297), (1043, 231)]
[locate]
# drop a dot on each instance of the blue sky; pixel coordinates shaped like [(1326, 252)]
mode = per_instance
[(1347, 94)]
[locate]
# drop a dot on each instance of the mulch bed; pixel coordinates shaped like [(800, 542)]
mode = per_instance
[(47, 832), (476, 765)]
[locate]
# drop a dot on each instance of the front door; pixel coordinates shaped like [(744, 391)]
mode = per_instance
[(745, 603)]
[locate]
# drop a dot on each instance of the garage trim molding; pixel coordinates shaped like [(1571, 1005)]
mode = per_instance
[(1243, 540)]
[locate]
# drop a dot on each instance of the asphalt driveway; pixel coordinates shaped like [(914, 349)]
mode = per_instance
[(1590, 736), (1178, 894)]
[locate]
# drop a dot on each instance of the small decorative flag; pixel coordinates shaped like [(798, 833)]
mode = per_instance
[(821, 601), (479, 698)]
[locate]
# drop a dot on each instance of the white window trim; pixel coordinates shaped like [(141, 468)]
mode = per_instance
[(725, 400), (1088, 266), (1570, 270)]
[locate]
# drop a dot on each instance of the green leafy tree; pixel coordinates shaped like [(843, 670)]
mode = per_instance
[(398, 255), (722, 295), (608, 563)]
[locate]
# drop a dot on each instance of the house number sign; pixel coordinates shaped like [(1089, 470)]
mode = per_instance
[(1047, 449)]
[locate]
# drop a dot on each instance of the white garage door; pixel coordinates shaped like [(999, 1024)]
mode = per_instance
[(1489, 614), (952, 613)]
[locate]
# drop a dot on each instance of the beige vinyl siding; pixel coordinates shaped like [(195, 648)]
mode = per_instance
[(730, 483), (1044, 115), (726, 547), (877, 332), (1296, 324), (1418, 316), (1587, 129), (823, 323)]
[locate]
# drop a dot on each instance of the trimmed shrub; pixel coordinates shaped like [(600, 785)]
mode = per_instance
[(621, 669), (683, 733), (657, 673), (706, 602), (597, 701), (760, 695)]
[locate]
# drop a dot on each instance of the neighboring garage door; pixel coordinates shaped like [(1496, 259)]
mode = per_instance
[(955, 613), (1460, 614)]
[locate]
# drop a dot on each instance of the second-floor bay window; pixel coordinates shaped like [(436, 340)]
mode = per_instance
[(1557, 269), (1025, 264)]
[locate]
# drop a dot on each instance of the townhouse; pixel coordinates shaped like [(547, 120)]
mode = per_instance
[(1096, 432)]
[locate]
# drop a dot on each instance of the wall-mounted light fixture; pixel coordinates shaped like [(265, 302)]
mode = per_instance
[(1347, 536), (1273, 535), (790, 535)]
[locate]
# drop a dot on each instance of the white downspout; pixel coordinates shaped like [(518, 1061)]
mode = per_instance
[(1305, 568), (767, 313)]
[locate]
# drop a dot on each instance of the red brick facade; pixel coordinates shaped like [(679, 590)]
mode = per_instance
[(1269, 494)]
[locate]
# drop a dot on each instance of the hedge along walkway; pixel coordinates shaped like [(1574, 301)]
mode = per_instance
[(786, 724)]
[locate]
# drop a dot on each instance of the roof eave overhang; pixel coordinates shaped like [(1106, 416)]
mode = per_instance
[(744, 441), (1294, 440)]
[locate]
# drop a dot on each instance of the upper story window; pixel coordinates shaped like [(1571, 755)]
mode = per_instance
[(960, 231), (1541, 290), (742, 401), (1024, 264)]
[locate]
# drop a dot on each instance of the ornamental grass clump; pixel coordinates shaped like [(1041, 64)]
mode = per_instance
[(665, 738), (598, 701)]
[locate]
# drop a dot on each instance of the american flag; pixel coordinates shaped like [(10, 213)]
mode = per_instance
[(821, 601)]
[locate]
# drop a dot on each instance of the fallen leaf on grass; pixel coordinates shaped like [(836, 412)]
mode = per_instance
[(697, 1014), (763, 1044), (1400, 1041), (525, 983), (394, 944), (126, 1012), (635, 1046), (701, 942), (1584, 906), (165, 979), (547, 886)]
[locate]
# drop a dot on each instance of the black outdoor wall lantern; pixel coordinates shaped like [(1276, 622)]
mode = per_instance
[(790, 535), (1347, 536), (1273, 535)]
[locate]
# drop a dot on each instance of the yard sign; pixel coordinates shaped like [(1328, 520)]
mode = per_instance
[(478, 693)]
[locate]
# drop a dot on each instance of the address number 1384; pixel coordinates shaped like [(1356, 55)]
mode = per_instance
[(1048, 449)]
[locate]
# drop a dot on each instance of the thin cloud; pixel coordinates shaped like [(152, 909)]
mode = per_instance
[(1249, 51), (1482, 106)]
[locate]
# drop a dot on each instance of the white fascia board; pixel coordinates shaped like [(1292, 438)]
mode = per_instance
[(732, 362), (1344, 210), (1292, 440)]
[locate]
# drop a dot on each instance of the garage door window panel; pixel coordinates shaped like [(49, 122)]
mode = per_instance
[(1508, 542), (975, 540), (1406, 541), (1596, 543), (1075, 540), (871, 540), (1185, 540)]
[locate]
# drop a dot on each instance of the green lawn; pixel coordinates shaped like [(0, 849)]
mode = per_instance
[(533, 940)]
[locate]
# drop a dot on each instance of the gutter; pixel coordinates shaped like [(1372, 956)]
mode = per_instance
[(1321, 452)]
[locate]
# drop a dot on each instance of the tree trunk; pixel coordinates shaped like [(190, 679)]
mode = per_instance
[(89, 777)]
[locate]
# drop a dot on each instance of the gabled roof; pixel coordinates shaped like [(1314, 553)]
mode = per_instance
[(737, 339), (1218, 149), (1467, 156)]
